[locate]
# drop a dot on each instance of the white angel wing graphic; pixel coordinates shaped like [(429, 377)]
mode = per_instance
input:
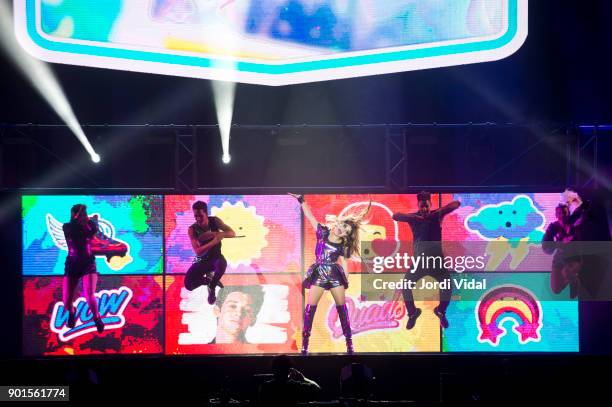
[(54, 227)]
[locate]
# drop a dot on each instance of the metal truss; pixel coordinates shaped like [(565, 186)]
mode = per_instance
[(579, 148)]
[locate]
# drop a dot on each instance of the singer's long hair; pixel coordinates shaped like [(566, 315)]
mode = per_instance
[(354, 220)]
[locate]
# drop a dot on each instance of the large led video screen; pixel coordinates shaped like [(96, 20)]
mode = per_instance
[(271, 42), (152, 287)]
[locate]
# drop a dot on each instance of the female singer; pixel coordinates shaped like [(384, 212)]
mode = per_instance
[(337, 239)]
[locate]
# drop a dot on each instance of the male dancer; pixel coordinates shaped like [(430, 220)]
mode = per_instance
[(206, 235), (426, 228)]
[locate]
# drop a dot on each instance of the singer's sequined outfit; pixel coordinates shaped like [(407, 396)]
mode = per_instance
[(326, 272)]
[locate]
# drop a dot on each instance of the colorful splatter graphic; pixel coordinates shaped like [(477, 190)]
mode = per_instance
[(134, 321), (325, 24), (270, 226), (91, 20), (274, 42)]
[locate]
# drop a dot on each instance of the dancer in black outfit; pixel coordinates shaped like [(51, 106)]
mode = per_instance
[(426, 228), (588, 263), (556, 240), (209, 264), (80, 263)]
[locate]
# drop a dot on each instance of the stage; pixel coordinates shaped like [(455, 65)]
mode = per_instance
[(418, 379)]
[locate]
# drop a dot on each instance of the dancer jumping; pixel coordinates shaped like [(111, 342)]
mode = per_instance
[(426, 228), (80, 263), (209, 264), (337, 239), (556, 240)]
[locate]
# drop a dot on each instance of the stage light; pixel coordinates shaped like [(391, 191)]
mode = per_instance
[(40, 77), (224, 103)]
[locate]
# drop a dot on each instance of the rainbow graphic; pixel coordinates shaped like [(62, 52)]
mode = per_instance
[(508, 302)]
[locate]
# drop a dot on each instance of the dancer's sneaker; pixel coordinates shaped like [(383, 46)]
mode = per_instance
[(211, 295), (442, 316), (71, 320), (207, 280), (102, 245), (413, 318), (99, 324)]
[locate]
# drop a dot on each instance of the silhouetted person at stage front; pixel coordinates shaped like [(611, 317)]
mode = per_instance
[(356, 380), (81, 376), (288, 386)]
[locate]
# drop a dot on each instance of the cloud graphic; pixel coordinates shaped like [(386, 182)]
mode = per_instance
[(514, 220)]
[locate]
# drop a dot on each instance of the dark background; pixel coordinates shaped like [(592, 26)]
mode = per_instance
[(562, 73), (558, 80)]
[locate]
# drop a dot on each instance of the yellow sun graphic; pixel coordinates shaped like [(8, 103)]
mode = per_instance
[(247, 223)]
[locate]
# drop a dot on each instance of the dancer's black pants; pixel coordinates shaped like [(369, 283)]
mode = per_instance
[(439, 275), (198, 273)]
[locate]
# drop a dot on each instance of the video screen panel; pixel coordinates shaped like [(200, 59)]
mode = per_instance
[(380, 236), (131, 308), (293, 28), (253, 314), (378, 325), (272, 42), (129, 238), (508, 228), (268, 229), (512, 317)]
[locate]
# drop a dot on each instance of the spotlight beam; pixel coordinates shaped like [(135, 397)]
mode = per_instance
[(41, 77), (224, 93)]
